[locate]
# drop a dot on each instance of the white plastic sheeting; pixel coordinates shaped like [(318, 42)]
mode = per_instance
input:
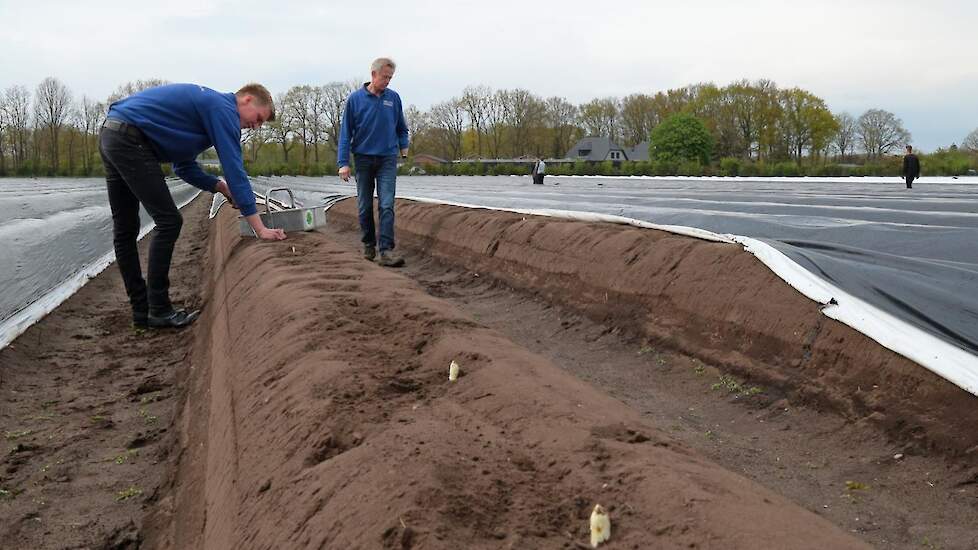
[(15, 325), (947, 361)]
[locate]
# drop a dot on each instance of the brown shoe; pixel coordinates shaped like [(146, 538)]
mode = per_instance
[(369, 252), (388, 259)]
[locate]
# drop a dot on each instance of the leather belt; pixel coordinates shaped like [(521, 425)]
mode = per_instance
[(123, 127)]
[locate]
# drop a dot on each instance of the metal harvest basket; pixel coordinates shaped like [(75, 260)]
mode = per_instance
[(288, 218)]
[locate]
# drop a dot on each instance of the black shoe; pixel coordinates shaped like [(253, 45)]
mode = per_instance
[(369, 252), (140, 321), (174, 319), (388, 259)]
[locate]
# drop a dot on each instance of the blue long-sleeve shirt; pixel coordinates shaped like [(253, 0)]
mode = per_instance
[(182, 121), (371, 125)]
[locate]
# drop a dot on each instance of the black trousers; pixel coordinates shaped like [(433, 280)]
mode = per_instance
[(909, 181), (133, 176)]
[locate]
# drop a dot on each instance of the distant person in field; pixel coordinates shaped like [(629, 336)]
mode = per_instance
[(539, 171), (173, 123), (911, 167), (374, 129)]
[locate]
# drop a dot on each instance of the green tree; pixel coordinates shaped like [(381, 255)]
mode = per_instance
[(638, 117), (713, 106), (681, 137), (807, 123)]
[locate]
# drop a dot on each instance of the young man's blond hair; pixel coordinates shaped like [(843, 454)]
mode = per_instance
[(261, 94)]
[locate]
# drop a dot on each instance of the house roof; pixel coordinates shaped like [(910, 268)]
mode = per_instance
[(638, 152), (599, 147)]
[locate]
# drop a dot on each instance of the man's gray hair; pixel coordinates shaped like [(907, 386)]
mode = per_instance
[(382, 62)]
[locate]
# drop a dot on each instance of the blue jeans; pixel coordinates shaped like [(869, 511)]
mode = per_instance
[(378, 172)]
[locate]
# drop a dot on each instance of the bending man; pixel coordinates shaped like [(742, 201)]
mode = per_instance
[(173, 123), (373, 127)]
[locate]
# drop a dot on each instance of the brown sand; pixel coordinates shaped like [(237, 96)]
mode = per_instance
[(316, 410), (321, 416), (708, 300), (85, 407)]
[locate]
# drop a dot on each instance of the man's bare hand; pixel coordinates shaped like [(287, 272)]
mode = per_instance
[(344, 173), (222, 188), (268, 234)]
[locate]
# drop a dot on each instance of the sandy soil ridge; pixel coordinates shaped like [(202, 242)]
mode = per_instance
[(708, 300), (321, 416)]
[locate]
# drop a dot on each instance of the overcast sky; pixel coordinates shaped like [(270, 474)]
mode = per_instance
[(915, 59)]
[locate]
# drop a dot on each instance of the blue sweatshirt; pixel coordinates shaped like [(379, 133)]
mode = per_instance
[(184, 120), (373, 125)]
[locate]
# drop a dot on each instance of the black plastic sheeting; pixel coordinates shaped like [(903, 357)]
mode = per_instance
[(911, 253)]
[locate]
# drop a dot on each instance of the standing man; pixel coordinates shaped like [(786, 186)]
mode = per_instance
[(539, 171), (911, 167), (373, 127), (173, 123)]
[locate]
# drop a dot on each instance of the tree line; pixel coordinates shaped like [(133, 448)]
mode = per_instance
[(50, 131)]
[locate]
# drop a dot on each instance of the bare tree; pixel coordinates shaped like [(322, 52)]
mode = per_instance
[(561, 116), (476, 102), (448, 121), (845, 138), (524, 112), (254, 140), (420, 126), (318, 106), (92, 114), (335, 103), (282, 130), (297, 100), (3, 139), (602, 117), (15, 106), (75, 124), (52, 105), (129, 88), (970, 143), (496, 123), (880, 132)]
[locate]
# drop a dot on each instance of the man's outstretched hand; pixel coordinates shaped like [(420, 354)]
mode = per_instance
[(268, 234), (222, 188)]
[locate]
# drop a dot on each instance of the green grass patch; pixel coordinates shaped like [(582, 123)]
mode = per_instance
[(126, 456), (856, 486), (131, 492), (148, 418), (733, 386), (17, 434)]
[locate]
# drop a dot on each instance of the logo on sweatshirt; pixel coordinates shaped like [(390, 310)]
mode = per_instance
[(388, 103)]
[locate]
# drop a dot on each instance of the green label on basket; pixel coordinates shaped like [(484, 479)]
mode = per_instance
[(308, 219)]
